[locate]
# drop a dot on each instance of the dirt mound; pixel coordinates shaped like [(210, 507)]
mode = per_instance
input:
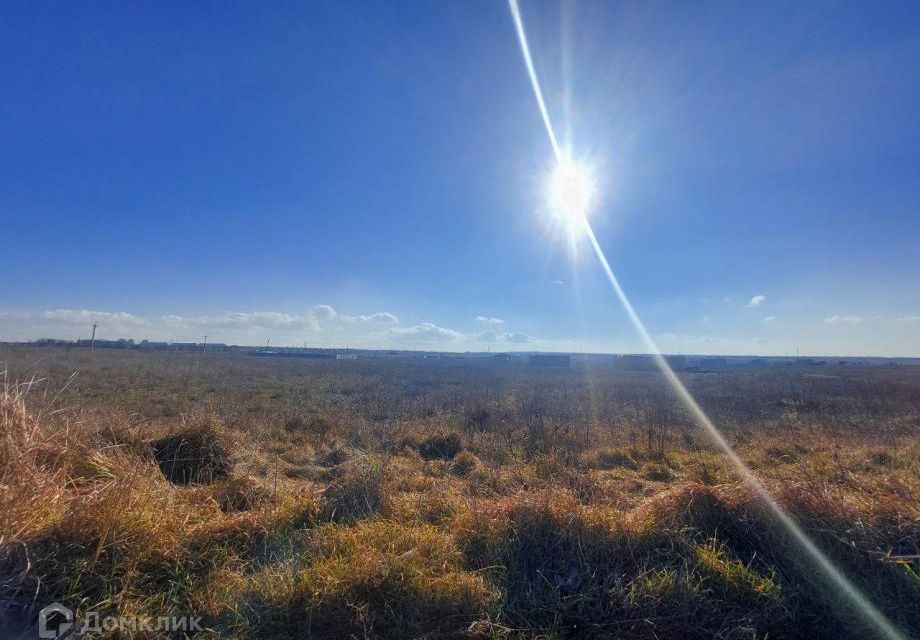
[(192, 456), (440, 446)]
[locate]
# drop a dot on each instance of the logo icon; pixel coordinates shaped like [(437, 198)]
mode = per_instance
[(55, 621)]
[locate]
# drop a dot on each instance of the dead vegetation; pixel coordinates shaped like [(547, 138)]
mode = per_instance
[(192, 455), (500, 517)]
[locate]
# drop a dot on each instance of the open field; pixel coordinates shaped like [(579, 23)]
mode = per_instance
[(400, 497)]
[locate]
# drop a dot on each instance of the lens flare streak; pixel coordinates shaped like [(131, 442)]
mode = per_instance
[(528, 62), (828, 570)]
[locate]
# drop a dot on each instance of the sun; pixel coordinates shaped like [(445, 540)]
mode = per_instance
[(571, 194)]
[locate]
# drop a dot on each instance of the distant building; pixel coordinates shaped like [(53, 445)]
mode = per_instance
[(108, 344), (149, 344), (346, 356), (48, 342), (550, 360), (502, 357)]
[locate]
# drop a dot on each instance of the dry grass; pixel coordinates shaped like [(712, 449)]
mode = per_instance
[(375, 578), (303, 522), (192, 455)]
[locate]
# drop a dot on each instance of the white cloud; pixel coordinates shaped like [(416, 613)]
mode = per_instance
[(844, 319), (85, 315), (909, 319), (254, 319), (14, 315), (514, 337), (276, 318), (769, 320), (426, 331), (558, 283), (235, 324), (319, 324), (706, 319), (381, 317), (756, 301), (324, 312)]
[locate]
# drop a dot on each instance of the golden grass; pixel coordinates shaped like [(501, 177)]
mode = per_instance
[(311, 531)]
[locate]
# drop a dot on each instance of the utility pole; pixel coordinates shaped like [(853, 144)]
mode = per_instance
[(92, 342), (204, 346)]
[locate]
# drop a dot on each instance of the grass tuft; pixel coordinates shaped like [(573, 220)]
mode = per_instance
[(440, 446), (192, 455), (463, 464), (373, 579), (357, 494)]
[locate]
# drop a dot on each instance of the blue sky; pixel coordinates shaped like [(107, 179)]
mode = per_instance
[(373, 174)]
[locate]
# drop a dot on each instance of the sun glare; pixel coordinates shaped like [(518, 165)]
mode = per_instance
[(571, 194)]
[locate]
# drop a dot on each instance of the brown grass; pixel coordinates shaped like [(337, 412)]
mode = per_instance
[(290, 523)]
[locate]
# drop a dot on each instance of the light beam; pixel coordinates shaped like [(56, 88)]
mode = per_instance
[(528, 62), (834, 577)]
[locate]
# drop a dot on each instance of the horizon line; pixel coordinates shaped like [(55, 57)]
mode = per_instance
[(84, 342)]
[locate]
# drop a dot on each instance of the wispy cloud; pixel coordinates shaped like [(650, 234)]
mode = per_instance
[(515, 337), (909, 319), (769, 320), (86, 315), (312, 320), (425, 331), (319, 323), (324, 312), (837, 319), (756, 301), (381, 317), (15, 315), (254, 319)]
